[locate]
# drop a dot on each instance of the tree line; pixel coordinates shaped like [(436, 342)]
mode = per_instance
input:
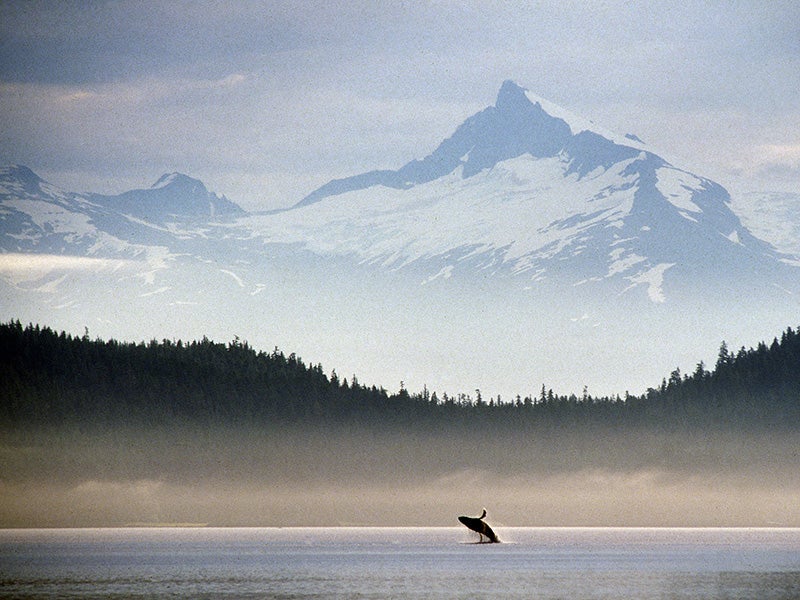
[(53, 378)]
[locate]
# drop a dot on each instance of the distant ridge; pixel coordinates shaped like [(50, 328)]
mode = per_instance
[(172, 195)]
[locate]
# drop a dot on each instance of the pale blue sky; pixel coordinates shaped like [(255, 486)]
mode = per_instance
[(265, 101)]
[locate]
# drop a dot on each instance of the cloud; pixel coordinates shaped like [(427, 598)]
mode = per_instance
[(101, 42), (775, 166), (31, 267), (787, 154)]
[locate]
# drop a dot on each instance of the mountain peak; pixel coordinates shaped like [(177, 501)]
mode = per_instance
[(511, 97), (519, 123), (177, 179), (21, 178), (18, 172), (513, 126)]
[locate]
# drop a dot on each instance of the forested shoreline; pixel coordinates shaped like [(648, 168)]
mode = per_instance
[(104, 433), (52, 378)]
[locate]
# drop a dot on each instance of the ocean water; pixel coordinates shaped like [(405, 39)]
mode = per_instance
[(288, 563)]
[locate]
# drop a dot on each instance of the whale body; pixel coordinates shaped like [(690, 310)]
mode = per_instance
[(478, 525)]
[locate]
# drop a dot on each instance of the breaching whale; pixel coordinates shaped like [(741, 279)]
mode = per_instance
[(477, 524)]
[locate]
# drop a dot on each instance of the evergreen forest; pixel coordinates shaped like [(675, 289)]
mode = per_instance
[(51, 378)]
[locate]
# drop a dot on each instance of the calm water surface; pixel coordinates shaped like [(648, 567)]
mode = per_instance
[(400, 563)]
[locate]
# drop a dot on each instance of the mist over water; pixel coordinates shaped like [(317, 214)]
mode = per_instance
[(335, 476)]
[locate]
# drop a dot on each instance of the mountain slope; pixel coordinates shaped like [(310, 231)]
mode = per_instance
[(38, 217)]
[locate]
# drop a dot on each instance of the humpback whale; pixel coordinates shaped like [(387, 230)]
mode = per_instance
[(477, 525)]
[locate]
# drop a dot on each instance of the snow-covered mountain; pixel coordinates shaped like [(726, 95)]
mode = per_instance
[(530, 246), (36, 216), (174, 217), (533, 192)]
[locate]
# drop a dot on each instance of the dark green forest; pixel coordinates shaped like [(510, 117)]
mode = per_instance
[(51, 378)]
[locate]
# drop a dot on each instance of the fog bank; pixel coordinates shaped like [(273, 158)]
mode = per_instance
[(339, 477)]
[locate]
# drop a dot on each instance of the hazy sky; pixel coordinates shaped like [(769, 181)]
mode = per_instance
[(265, 101)]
